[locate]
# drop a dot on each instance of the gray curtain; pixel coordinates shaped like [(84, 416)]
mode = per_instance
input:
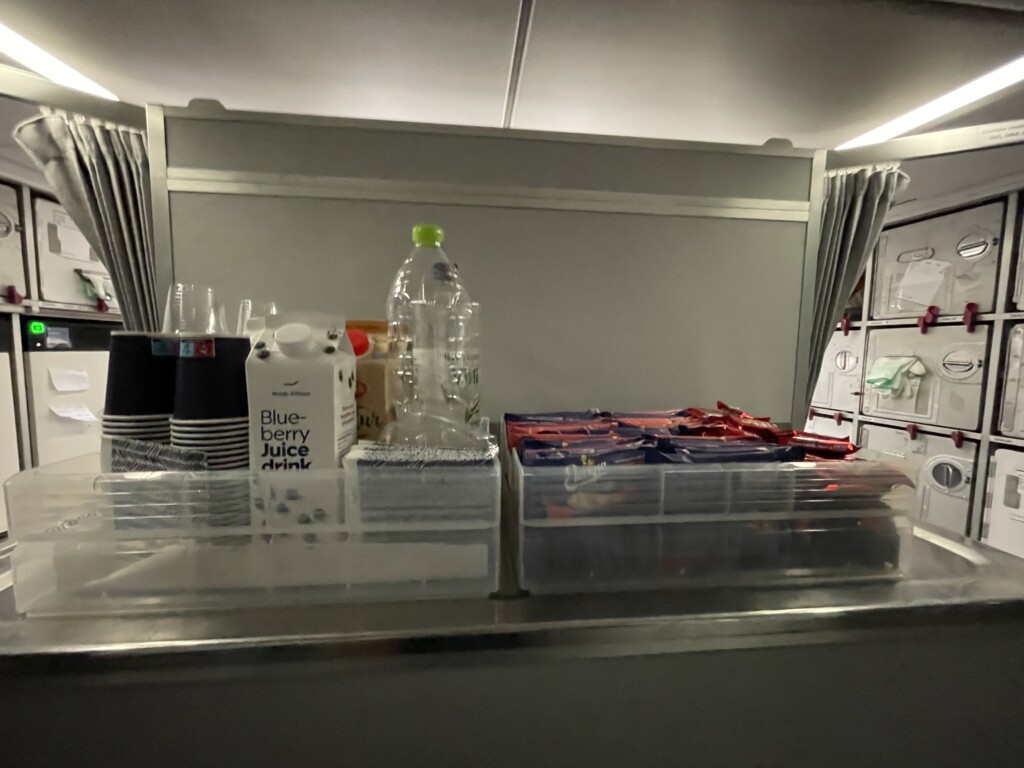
[(856, 203), (100, 174)]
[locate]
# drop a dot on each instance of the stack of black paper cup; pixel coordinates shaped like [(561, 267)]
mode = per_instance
[(211, 407), (140, 389)]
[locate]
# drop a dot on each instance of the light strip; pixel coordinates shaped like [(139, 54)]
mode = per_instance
[(39, 61), (986, 85)]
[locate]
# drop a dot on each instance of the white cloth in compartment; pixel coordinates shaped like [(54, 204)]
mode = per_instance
[(896, 377)]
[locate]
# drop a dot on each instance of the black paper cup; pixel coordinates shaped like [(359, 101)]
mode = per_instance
[(138, 382), (213, 387), (196, 436), (141, 433)]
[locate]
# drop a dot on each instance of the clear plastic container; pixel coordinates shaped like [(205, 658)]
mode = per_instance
[(89, 542), (434, 346), (610, 528)]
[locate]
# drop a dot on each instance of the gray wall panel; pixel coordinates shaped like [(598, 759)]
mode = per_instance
[(325, 150), (580, 309)]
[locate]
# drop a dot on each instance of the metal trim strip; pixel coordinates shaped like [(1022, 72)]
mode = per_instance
[(514, 631), (33, 89), (26, 449), (24, 376), (812, 236), (286, 185), (993, 384), (515, 75), (162, 238), (950, 142), (975, 195), (28, 243)]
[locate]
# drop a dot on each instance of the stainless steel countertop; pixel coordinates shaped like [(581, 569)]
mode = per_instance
[(952, 582)]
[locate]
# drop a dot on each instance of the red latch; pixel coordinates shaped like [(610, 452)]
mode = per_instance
[(11, 295), (844, 325), (811, 413), (102, 306), (912, 431), (970, 316), (838, 417), (957, 437), (928, 318)]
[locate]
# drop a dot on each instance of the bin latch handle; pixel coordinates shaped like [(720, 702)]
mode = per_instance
[(928, 318), (11, 295), (970, 316)]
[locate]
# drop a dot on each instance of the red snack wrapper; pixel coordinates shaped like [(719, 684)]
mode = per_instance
[(516, 431), (646, 422), (725, 432), (704, 415), (763, 429), (730, 411), (722, 433), (671, 413), (582, 442), (822, 445)]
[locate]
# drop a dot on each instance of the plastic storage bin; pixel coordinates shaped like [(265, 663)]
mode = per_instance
[(12, 255), (942, 380), (609, 528), (66, 261), (943, 474), (1011, 417), (948, 261), (1004, 504), (110, 543), (838, 386)]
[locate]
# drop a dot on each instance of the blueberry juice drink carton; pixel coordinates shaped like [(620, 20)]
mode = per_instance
[(301, 377)]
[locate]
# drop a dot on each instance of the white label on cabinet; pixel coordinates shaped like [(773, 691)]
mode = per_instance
[(69, 380), (73, 412)]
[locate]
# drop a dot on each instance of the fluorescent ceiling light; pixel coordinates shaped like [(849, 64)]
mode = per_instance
[(39, 61), (986, 85)]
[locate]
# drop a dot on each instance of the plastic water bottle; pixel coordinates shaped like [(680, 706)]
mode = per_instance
[(433, 344)]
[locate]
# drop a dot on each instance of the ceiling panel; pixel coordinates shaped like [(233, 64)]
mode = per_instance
[(1003, 107), (816, 72), (441, 61)]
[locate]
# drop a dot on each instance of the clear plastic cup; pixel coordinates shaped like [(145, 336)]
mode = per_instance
[(253, 314), (194, 310)]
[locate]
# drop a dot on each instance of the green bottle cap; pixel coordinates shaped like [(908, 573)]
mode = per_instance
[(427, 235)]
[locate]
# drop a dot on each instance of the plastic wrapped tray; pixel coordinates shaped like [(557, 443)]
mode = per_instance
[(91, 542), (609, 528)]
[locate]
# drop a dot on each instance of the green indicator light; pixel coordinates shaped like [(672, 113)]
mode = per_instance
[(37, 327)]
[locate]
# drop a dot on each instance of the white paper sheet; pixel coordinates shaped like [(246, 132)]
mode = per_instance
[(73, 412), (69, 379), (922, 281)]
